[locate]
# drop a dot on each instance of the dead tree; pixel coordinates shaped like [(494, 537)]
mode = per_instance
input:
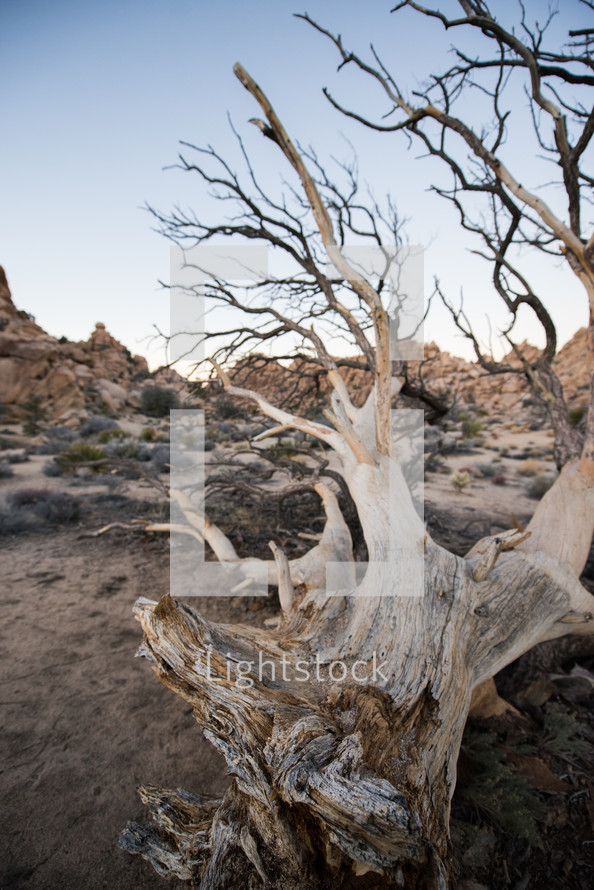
[(338, 782)]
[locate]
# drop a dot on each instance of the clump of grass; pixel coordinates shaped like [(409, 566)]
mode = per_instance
[(460, 480), (148, 434), (530, 467), (82, 453), (539, 486)]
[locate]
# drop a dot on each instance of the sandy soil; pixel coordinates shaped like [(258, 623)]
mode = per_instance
[(84, 722)]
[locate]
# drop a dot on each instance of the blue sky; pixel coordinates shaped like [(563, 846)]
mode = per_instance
[(95, 96)]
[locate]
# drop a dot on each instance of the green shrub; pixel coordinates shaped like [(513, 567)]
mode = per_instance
[(82, 453), (471, 428), (157, 401), (35, 413), (148, 434)]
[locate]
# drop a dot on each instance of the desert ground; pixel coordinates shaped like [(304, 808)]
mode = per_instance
[(85, 722)]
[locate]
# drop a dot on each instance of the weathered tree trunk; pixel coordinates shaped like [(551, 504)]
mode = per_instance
[(345, 781)]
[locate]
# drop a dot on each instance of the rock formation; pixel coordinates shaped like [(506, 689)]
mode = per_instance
[(67, 379), (304, 385)]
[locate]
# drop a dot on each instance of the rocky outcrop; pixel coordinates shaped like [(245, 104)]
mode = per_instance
[(67, 380), (303, 385)]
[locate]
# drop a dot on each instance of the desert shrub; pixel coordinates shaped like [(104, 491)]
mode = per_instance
[(157, 401), (58, 508), (26, 496), (15, 522), (576, 413), (56, 439), (471, 428), (115, 432), (486, 470), (160, 458), (6, 470), (34, 413), (209, 445), (460, 480), (51, 469), (32, 507), (97, 424), (17, 457), (530, 467), (82, 452), (499, 479), (123, 448), (227, 409), (213, 435), (148, 434), (144, 452), (539, 486)]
